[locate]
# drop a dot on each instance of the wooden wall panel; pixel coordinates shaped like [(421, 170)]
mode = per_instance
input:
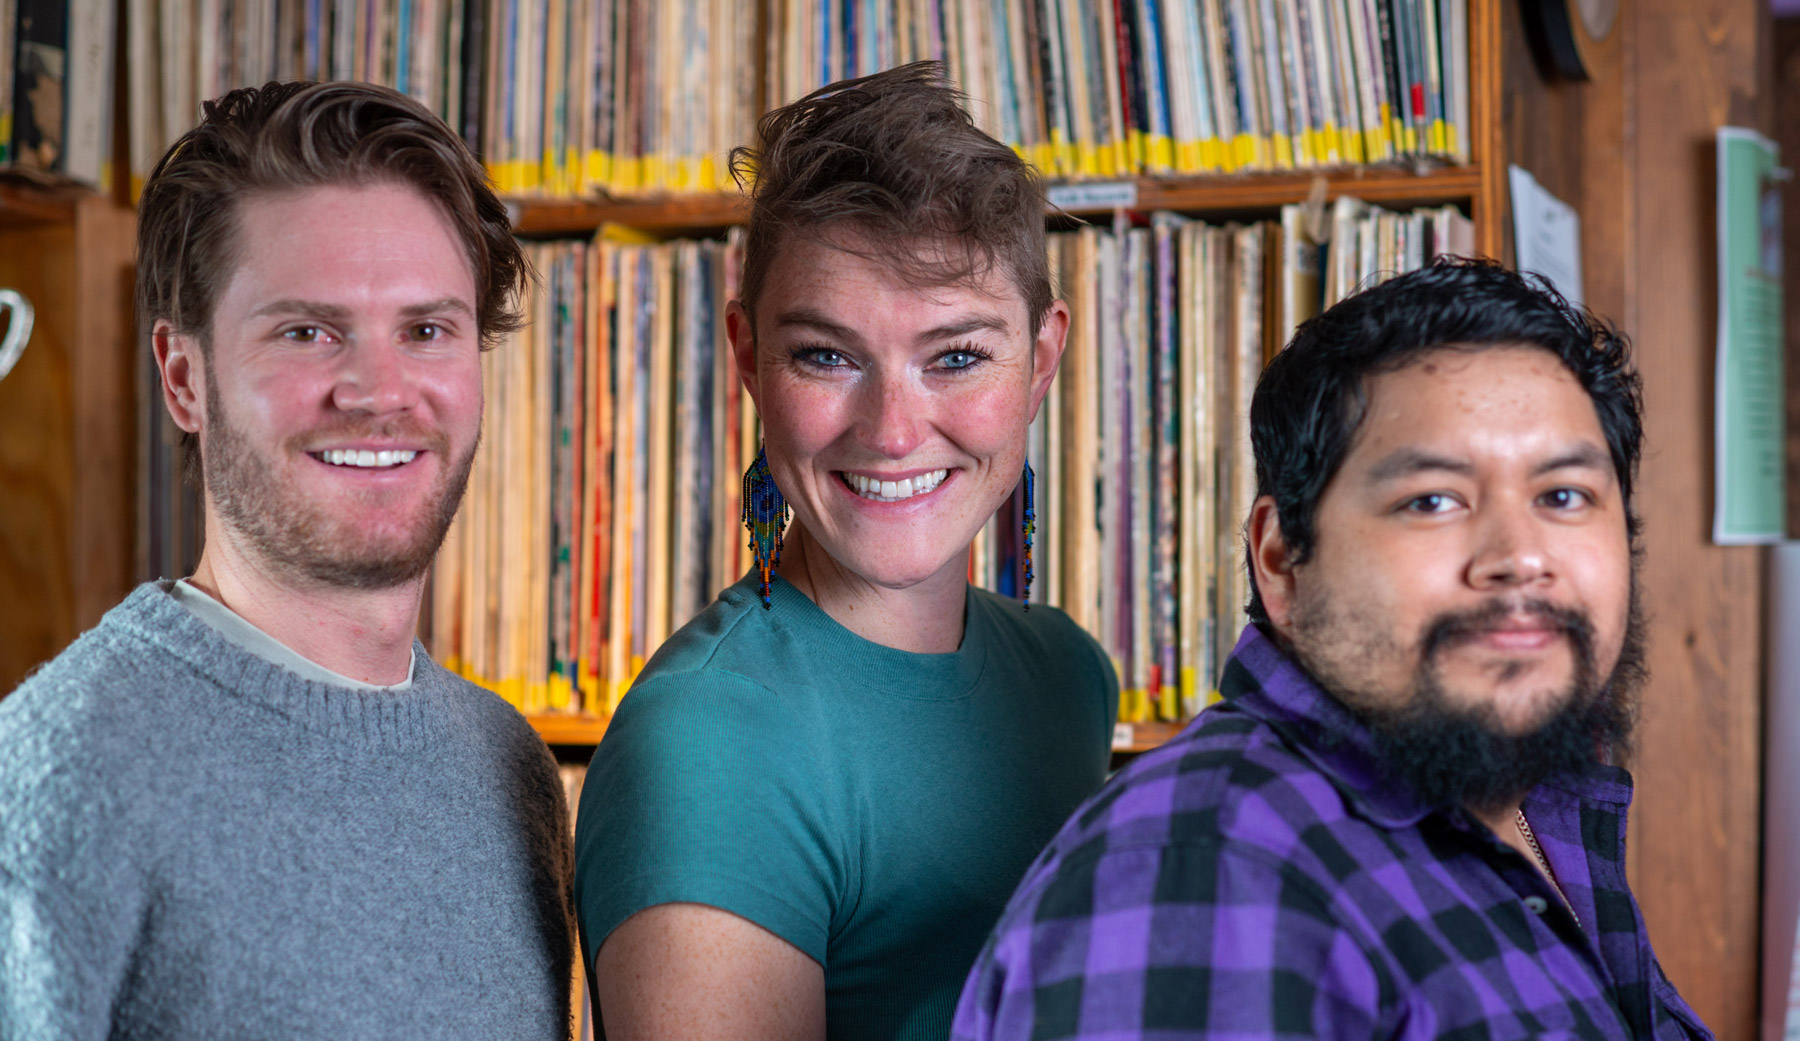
[(1632, 150), (1689, 66), (37, 464), (104, 371), (1786, 37), (67, 434)]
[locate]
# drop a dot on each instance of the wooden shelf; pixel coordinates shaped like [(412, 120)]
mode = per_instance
[(1389, 186), (1133, 738), (26, 203), (1223, 194), (560, 728), (687, 214)]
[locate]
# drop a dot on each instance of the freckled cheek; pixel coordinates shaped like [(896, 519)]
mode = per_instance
[(985, 422), (802, 421)]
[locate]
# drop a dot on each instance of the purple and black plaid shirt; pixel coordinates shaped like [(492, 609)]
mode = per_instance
[(1258, 878)]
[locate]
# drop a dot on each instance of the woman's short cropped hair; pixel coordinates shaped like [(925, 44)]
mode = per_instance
[(1312, 397), (890, 167)]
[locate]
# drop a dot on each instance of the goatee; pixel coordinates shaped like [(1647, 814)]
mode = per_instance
[(298, 537), (1452, 754)]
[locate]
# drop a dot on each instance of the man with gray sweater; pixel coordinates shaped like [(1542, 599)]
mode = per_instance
[(248, 804)]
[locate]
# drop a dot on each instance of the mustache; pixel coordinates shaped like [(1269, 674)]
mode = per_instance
[(407, 429), (1453, 627)]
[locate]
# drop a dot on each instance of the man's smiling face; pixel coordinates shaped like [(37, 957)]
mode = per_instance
[(343, 384), (1472, 550)]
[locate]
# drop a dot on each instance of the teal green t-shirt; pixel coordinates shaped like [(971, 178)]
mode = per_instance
[(873, 807)]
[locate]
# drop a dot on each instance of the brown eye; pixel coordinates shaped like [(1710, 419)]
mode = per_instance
[(1431, 502), (1565, 498)]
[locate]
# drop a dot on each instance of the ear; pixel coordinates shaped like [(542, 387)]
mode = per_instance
[(183, 369), (1047, 352), (1272, 563), (743, 348)]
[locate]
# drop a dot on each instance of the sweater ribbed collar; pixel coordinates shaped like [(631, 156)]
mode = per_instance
[(384, 720)]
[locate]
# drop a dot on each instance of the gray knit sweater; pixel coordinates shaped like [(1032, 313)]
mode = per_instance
[(196, 843)]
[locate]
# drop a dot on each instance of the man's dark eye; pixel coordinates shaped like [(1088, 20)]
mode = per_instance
[(1565, 498)]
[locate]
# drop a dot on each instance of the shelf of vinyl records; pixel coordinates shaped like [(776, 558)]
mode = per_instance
[(1390, 186)]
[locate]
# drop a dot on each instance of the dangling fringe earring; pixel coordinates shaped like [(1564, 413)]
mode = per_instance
[(1030, 527), (766, 515)]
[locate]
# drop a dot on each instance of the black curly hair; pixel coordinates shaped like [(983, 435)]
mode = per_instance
[(1312, 398)]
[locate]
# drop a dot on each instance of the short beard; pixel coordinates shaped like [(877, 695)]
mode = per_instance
[(292, 536), (1452, 755)]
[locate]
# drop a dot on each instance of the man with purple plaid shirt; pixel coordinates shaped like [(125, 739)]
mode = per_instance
[(1403, 819)]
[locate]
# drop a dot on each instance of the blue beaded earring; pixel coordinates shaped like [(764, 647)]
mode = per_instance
[(1030, 526), (766, 515)]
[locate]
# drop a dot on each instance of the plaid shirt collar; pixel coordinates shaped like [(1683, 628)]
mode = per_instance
[(1261, 680)]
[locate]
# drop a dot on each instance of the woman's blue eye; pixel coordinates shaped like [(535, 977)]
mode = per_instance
[(960, 359), (822, 357)]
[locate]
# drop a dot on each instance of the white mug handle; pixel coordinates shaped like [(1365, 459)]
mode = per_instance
[(18, 332)]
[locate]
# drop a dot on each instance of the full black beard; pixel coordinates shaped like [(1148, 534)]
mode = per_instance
[(1452, 755)]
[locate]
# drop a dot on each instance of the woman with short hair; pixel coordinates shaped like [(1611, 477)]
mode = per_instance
[(816, 799)]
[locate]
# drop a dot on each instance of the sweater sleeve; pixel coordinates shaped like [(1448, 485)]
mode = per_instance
[(67, 907), (707, 789), (49, 987)]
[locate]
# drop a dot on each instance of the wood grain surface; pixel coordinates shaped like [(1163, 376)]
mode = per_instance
[(1633, 151), (37, 462), (67, 455)]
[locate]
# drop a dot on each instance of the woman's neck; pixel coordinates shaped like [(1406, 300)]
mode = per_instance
[(925, 618)]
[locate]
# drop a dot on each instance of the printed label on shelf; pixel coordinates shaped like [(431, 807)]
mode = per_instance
[(1123, 735), (1108, 195)]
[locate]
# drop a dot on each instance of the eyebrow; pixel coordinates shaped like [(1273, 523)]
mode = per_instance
[(1409, 461), (333, 312), (808, 318), (448, 303), (305, 308), (1587, 454)]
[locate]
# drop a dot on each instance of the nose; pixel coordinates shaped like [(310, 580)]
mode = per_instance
[(892, 421), (1510, 550), (375, 379)]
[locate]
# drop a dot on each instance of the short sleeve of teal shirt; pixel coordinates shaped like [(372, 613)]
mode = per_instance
[(872, 807)]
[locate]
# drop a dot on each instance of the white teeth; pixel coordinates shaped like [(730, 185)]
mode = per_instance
[(894, 491), (368, 459)]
